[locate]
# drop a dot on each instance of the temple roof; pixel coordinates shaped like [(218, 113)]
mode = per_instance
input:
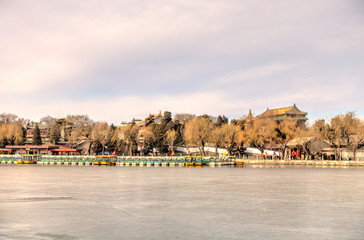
[(282, 111)]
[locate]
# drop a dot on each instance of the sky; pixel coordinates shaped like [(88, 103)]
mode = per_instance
[(118, 60)]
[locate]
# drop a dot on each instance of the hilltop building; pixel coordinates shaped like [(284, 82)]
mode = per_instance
[(65, 128), (280, 114), (30, 132), (249, 118), (156, 118), (125, 123)]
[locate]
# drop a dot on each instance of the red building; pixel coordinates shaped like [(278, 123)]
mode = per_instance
[(43, 132), (45, 149), (5, 151)]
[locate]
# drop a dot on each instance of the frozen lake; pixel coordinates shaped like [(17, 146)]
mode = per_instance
[(65, 202)]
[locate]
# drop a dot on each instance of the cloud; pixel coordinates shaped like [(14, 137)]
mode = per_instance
[(255, 73), (184, 56), (128, 107)]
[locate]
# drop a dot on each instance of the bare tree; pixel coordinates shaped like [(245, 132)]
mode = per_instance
[(100, 134), (48, 121), (261, 132), (22, 122), (13, 134), (339, 132), (217, 138), (170, 138), (184, 117), (357, 136), (147, 139), (232, 136), (286, 130), (197, 132), (78, 120), (129, 135), (8, 118)]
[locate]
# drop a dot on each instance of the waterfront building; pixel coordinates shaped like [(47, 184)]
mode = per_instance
[(45, 149), (306, 146), (5, 151)]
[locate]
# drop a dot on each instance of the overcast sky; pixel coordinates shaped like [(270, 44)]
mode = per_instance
[(115, 60)]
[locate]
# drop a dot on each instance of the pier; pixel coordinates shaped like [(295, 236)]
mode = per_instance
[(167, 161), (338, 163), (119, 161)]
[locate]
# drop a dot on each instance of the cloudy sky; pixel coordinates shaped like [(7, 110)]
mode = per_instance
[(115, 60)]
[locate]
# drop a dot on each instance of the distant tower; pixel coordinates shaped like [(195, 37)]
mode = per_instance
[(250, 117)]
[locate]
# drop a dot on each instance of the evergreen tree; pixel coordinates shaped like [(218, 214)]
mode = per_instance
[(221, 120), (37, 140), (206, 116), (167, 117), (3, 142), (234, 122), (112, 139), (24, 133), (149, 120), (159, 132), (96, 147), (55, 134)]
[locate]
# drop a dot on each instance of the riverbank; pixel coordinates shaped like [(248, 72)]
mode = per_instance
[(304, 162)]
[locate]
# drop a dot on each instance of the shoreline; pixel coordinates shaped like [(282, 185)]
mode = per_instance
[(237, 163), (305, 162)]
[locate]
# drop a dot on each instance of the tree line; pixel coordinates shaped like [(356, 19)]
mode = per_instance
[(341, 131)]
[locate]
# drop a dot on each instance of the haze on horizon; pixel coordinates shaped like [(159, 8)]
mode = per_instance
[(115, 60)]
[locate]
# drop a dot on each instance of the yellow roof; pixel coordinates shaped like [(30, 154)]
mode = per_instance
[(281, 111)]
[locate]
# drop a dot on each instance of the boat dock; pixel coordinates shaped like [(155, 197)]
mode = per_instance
[(165, 161), (120, 161), (335, 163)]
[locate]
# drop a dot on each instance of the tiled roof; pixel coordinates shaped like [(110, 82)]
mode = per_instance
[(281, 111)]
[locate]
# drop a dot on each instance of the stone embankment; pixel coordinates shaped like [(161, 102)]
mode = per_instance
[(304, 162)]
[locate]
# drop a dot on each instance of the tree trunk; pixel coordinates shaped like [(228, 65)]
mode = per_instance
[(283, 157), (130, 149), (229, 150), (203, 150), (339, 154), (90, 148)]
